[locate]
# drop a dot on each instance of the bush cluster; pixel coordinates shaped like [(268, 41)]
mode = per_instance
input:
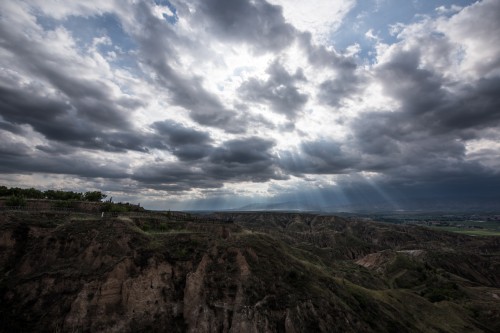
[(32, 193)]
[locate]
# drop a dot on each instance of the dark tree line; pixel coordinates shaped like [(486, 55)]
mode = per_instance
[(32, 193)]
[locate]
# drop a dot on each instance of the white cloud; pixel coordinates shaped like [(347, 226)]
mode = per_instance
[(448, 10), (161, 11), (371, 35), (321, 17), (460, 47), (61, 9), (476, 29)]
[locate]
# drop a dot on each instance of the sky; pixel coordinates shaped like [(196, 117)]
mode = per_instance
[(220, 104)]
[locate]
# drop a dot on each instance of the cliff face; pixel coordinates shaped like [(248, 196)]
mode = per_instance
[(65, 274)]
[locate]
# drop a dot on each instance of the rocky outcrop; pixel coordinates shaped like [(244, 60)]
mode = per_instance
[(124, 299)]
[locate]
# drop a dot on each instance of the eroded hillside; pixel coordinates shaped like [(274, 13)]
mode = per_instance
[(264, 272)]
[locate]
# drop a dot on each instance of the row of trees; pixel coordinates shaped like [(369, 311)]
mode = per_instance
[(32, 193)]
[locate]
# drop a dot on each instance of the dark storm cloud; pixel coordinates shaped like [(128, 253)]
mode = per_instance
[(417, 149), (11, 128), (184, 142), (21, 106), (247, 159), (243, 151), (175, 177), (423, 141), (26, 107), (257, 23), (476, 107), (24, 161), (78, 112), (204, 107), (453, 191), (343, 83), (68, 132), (55, 148), (420, 90), (320, 56), (333, 91), (90, 99), (56, 120), (428, 106), (10, 148), (379, 133), (191, 152), (391, 139), (59, 125), (279, 90), (178, 134), (156, 39), (320, 157), (20, 158)]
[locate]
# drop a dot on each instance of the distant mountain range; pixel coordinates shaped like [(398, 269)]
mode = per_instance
[(279, 206), (428, 205)]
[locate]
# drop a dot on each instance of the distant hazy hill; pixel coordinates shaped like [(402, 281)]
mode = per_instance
[(280, 206), (423, 205)]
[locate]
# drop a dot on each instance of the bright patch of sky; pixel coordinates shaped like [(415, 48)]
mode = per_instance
[(319, 17), (105, 29)]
